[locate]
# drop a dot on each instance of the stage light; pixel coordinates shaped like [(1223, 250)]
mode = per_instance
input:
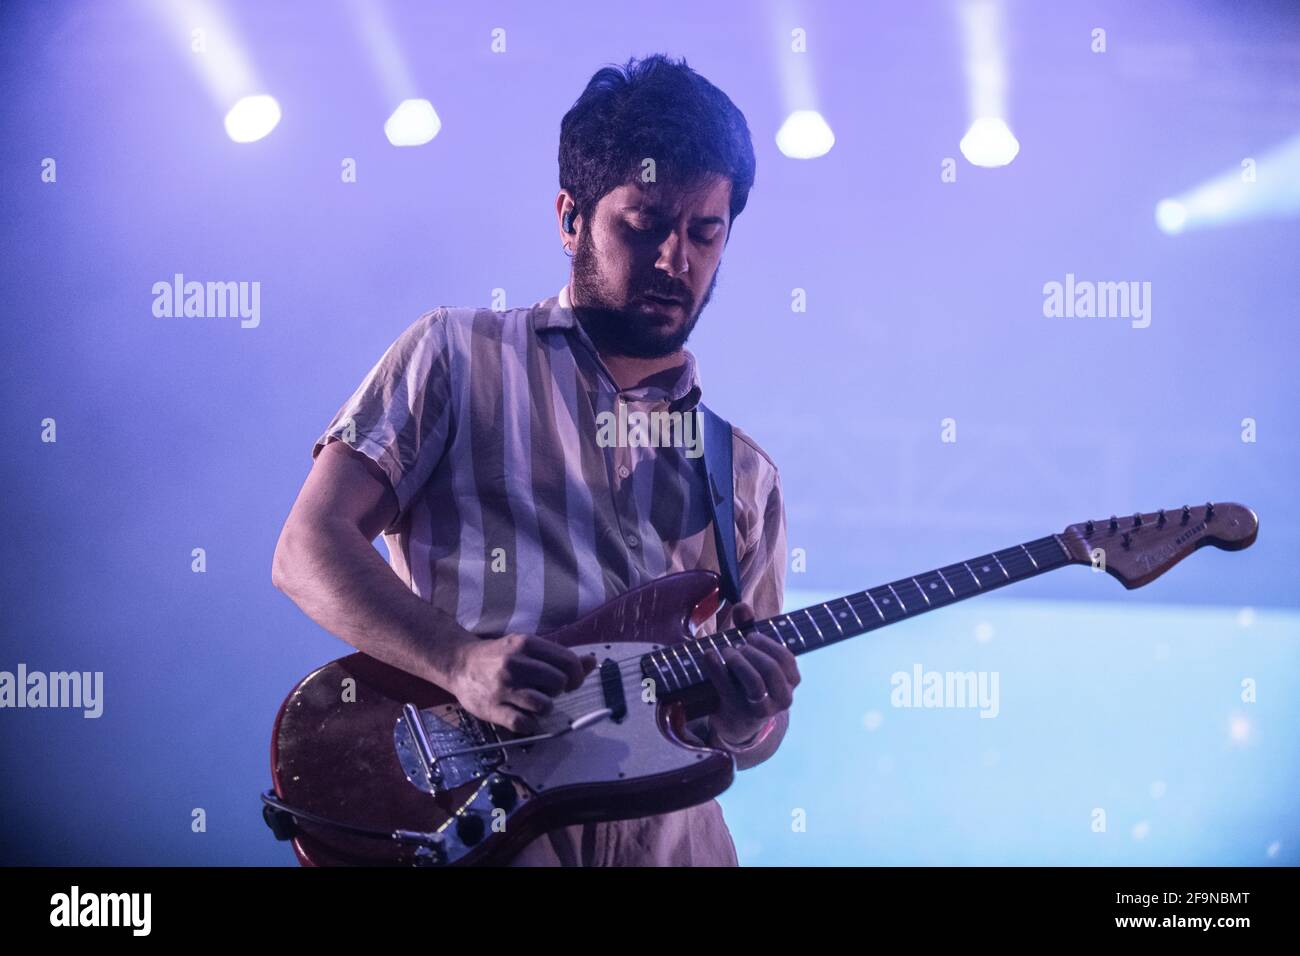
[(1262, 187), (252, 118), (1171, 216), (413, 123), (222, 65), (989, 142), (805, 135)]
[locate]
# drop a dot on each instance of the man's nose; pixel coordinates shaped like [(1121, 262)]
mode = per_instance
[(672, 255)]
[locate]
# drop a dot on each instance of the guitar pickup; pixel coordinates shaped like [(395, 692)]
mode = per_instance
[(611, 683)]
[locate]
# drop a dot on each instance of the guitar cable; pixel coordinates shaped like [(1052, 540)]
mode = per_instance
[(282, 819)]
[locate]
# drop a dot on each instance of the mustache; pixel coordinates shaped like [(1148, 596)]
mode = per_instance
[(681, 295)]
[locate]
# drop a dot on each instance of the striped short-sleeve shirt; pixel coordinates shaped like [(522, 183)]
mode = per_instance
[(531, 490)]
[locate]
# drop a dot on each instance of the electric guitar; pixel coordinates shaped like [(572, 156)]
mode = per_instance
[(373, 766)]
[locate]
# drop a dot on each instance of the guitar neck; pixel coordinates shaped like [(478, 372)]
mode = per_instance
[(676, 669)]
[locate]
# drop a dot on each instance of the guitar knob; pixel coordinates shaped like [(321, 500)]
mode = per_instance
[(470, 828), (1209, 510), (1087, 528), (1114, 523), (1137, 520), (502, 792), (1160, 518), (1187, 513)]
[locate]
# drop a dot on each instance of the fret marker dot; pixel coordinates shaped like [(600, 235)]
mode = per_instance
[(985, 568), (843, 615), (933, 585), (884, 600)]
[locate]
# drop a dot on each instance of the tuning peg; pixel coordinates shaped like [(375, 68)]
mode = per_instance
[(1137, 520), (1087, 528), (1209, 510), (1114, 523), (1126, 539), (1160, 518), (1187, 514)]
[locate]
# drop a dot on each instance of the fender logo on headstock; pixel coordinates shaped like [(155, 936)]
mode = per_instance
[(1150, 558)]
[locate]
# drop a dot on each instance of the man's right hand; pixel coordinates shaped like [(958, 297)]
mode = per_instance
[(510, 681)]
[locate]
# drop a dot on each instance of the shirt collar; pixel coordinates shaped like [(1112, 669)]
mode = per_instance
[(557, 313)]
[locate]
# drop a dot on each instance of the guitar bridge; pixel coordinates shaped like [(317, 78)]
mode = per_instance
[(431, 747), (481, 733)]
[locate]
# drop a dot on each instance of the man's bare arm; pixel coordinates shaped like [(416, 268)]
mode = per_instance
[(326, 564)]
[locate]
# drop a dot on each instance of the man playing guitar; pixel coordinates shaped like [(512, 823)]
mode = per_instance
[(476, 446)]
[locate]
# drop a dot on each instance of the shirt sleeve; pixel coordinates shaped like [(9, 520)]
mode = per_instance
[(400, 415)]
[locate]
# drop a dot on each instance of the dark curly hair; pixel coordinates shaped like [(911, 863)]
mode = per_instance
[(655, 108)]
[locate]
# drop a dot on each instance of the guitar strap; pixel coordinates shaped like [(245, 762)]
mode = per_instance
[(722, 501)]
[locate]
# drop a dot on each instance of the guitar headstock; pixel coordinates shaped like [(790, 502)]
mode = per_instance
[(1138, 548)]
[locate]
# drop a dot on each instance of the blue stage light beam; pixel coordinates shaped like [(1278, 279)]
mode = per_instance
[(223, 67), (1267, 187), (989, 140), (414, 121), (805, 132)]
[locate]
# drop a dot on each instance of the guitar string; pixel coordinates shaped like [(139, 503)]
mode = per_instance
[(585, 696), (590, 696)]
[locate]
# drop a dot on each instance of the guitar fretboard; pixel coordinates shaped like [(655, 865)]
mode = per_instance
[(677, 669)]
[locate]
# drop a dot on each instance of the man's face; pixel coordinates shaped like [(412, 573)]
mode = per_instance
[(646, 263)]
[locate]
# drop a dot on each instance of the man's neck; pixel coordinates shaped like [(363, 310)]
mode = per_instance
[(629, 371)]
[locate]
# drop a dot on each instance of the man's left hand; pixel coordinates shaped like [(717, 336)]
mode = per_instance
[(754, 681)]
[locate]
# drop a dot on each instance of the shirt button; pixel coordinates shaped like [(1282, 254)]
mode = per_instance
[(633, 541), (623, 472)]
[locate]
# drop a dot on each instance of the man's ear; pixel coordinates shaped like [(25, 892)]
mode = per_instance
[(562, 200)]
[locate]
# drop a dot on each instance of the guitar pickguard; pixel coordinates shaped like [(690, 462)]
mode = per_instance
[(606, 752)]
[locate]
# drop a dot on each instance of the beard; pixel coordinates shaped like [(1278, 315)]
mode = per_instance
[(619, 330)]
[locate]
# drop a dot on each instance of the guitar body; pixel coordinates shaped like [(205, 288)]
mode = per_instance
[(342, 749)]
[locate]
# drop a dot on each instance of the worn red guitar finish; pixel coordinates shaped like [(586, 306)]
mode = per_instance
[(334, 757)]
